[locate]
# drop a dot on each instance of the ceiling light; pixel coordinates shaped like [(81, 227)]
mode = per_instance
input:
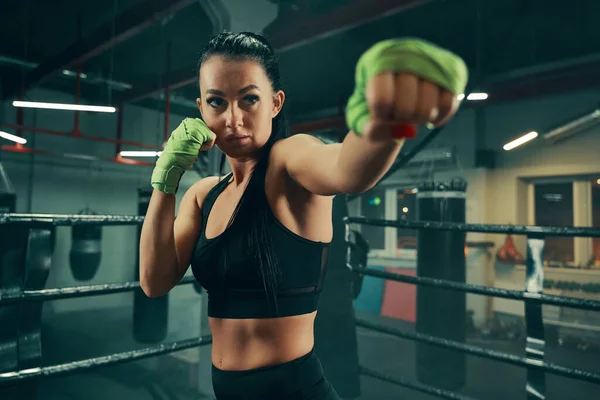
[(71, 73), (13, 138), (140, 153), (61, 106), (519, 141), (473, 96)]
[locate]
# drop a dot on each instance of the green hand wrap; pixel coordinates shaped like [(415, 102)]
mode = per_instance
[(179, 154), (414, 56)]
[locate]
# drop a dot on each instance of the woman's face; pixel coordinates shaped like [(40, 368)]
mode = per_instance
[(238, 104)]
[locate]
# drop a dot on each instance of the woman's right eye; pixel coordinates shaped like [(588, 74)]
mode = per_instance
[(214, 102)]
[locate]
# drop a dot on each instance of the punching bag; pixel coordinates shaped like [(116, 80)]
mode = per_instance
[(86, 249), (441, 255), (150, 316), (8, 197), (7, 202), (335, 326)]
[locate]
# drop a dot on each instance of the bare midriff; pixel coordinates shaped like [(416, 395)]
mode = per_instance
[(244, 344)]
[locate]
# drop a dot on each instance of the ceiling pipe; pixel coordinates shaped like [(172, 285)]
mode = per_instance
[(118, 160), (547, 70), (573, 127), (33, 129), (68, 74)]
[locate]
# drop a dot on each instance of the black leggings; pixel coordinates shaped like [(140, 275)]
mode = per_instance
[(299, 379)]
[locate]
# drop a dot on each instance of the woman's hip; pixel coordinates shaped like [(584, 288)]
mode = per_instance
[(300, 379)]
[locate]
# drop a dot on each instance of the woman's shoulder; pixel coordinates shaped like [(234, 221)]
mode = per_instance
[(202, 187), (299, 139), (284, 148)]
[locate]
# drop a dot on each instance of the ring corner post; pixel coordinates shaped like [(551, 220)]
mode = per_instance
[(536, 342)]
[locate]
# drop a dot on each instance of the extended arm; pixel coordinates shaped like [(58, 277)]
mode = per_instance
[(398, 84), (353, 166)]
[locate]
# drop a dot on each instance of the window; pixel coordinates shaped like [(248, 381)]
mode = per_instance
[(373, 206), (554, 207), (406, 209), (596, 219)]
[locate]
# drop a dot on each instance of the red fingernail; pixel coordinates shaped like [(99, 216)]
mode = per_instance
[(407, 131)]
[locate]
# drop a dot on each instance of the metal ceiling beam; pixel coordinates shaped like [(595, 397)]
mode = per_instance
[(174, 80), (295, 31), (287, 36), (128, 24), (526, 89)]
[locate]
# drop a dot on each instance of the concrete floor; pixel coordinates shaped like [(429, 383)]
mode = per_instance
[(160, 378)]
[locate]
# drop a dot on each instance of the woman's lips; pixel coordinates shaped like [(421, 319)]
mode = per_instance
[(236, 137)]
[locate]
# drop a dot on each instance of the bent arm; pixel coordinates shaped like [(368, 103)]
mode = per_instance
[(166, 243), (353, 166)]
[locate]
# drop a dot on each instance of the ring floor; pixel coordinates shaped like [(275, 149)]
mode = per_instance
[(77, 335)]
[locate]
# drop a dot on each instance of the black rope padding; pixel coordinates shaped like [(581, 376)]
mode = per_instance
[(69, 219), (26, 296), (556, 369), (482, 228), (97, 362), (572, 302), (431, 390)]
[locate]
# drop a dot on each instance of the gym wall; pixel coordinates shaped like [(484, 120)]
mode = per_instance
[(507, 198), (499, 195), (65, 186)]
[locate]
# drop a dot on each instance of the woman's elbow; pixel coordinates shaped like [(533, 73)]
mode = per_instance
[(151, 287), (358, 188), (151, 292), (148, 289)]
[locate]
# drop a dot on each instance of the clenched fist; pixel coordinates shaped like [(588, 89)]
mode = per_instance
[(401, 83)]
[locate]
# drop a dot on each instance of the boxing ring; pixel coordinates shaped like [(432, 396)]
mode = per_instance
[(532, 297), (25, 262)]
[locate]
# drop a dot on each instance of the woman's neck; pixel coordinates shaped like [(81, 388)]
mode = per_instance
[(242, 169)]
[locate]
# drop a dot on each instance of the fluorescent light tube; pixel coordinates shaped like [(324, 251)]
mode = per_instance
[(61, 106)]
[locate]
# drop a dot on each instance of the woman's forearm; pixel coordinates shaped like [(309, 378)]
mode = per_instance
[(363, 162), (158, 255)]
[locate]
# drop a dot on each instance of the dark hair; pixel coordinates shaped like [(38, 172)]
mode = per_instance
[(252, 212)]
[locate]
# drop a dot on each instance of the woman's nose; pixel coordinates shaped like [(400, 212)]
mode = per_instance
[(235, 117)]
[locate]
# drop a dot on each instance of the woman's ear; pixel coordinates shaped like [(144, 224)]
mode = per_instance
[(278, 100), (199, 104)]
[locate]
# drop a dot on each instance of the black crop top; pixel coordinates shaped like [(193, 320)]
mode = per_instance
[(235, 287)]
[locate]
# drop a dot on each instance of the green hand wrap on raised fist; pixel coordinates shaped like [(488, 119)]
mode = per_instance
[(414, 56), (179, 154)]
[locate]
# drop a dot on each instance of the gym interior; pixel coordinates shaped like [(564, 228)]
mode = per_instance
[(518, 169)]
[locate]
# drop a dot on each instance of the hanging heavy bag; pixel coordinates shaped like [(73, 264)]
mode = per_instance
[(86, 249), (441, 312)]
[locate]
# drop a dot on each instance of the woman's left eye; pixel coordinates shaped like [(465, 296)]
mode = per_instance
[(251, 99)]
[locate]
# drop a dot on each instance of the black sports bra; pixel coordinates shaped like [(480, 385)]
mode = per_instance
[(234, 284)]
